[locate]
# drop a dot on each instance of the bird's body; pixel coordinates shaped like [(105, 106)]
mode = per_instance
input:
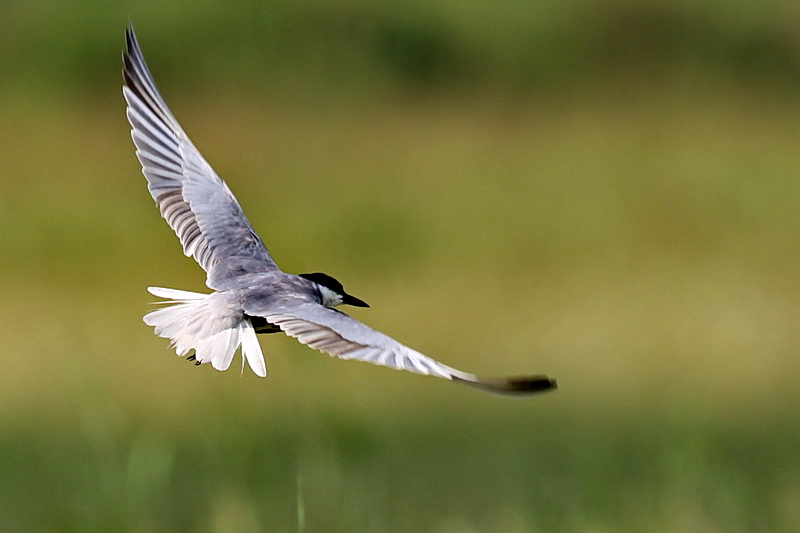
[(251, 294)]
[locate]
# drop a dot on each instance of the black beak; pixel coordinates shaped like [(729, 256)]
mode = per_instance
[(352, 300)]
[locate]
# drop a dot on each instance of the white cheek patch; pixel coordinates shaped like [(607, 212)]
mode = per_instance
[(329, 297)]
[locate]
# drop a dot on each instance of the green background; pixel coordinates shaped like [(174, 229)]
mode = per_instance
[(605, 191)]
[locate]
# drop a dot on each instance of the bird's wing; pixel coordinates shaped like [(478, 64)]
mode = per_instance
[(339, 335), (195, 202)]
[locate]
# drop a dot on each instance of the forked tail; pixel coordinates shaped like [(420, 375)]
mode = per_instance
[(206, 324)]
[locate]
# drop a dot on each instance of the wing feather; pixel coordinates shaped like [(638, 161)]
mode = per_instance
[(195, 202), (332, 332)]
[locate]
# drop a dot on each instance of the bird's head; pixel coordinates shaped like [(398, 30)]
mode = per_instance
[(332, 291)]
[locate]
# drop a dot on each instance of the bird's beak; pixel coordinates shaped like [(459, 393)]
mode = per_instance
[(352, 300)]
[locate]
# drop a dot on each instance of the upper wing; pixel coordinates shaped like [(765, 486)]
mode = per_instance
[(195, 202), (339, 335)]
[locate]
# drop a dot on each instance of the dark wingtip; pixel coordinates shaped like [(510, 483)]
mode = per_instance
[(516, 385), (530, 384), (130, 37), (131, 47)]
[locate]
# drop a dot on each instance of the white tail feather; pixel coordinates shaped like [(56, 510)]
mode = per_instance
[(251, 350), (207, 324), (176, 294)]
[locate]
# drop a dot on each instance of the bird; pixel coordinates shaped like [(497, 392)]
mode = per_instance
[(251, 295)]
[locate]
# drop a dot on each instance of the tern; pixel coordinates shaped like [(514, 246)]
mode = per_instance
[(251, 294)]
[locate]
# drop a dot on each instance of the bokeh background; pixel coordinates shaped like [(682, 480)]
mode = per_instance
[(602, 190)]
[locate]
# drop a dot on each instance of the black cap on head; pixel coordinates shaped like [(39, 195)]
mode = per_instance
[(332, 284)]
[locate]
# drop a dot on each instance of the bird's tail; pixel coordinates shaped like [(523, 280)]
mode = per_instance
[(205, 324)]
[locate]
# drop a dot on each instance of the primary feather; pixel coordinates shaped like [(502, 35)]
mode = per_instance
[(339, 335), (195, 202)]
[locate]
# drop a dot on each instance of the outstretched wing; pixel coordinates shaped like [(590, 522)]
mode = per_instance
[(195, 202), (339, 335)]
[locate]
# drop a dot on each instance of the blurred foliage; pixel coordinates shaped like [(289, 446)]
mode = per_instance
[(605, 191), (515, 45), (458, 473)]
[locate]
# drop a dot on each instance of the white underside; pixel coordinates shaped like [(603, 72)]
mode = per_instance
[(206, 324)]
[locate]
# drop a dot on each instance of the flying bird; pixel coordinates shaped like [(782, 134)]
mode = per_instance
[(251, 294)]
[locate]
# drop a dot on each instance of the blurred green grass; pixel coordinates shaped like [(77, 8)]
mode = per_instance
[(627, 225)]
